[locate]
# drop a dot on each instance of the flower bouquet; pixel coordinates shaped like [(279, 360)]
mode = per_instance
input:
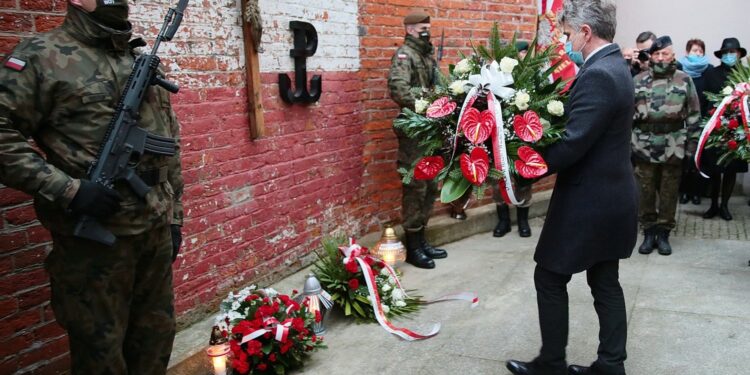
[(268, 332), (344, 279), (727, 129), (487, 121)]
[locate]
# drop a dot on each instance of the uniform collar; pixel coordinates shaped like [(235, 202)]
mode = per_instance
[(83, 28), (424, 48)]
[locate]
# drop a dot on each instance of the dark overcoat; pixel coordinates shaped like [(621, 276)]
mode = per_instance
[(593, 212)]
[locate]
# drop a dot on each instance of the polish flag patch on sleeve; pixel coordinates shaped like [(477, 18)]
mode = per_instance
[(402, 56), (15, 63)]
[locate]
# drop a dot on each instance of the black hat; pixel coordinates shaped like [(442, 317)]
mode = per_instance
[(660, 43), (522, 45), (730, 43)]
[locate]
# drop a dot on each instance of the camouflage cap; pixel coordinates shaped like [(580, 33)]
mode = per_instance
[(415, 17), (660, 43)]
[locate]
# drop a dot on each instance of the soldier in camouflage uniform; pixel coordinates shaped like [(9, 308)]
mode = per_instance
[(413, 66), (665, 130), (60, 89)]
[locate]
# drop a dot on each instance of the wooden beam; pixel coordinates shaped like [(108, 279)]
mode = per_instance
[(255, 101)]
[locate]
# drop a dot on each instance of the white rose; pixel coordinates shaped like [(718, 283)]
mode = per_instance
[(507, 64), (392, 280), (420, 106), (556, 108), (386, 287), (386, 309), (384, 271), (463, 67), (400, 304), (522, 100), (458, 87), (728, 90)]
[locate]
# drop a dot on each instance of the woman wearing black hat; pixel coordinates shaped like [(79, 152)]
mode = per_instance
[(730, 54)]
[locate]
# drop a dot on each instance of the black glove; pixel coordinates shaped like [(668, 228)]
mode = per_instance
[(176, 240), (95, 200)]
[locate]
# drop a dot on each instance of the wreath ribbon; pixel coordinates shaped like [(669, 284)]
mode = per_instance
[(374, 296), (279, 330), (715, 121)]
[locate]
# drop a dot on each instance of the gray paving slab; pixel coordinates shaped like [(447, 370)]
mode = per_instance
[(688, 313)]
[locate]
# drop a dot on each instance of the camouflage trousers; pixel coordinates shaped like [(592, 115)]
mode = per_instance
[(116, 303), (662, 180), (418, 197)]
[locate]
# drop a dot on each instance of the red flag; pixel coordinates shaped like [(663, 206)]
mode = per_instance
[(548, 33)]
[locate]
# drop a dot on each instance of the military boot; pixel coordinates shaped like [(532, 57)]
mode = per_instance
[(415, 253), (429, 250), (523, 221), (649, 241), (503, 221), (662, 241)]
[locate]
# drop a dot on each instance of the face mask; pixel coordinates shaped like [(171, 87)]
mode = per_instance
[(729, 59), (575, 56), (664, 68), (425, 35), (111, 14), (695, 58)]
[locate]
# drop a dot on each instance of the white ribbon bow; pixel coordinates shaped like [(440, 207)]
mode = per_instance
[(495, 80)]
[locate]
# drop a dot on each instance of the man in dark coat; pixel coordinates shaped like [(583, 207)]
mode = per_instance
[(592, 220)]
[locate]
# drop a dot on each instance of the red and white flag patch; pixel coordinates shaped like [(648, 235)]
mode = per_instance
[(15, 63), (402, 56)]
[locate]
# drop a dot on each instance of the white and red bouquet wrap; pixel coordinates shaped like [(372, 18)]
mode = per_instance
[(727, 129)]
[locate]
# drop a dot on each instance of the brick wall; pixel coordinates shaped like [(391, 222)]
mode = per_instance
[(255, 208)]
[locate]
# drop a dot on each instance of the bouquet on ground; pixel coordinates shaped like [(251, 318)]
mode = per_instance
[(344, 279), (487, 121), (727, 129), (268, 332)]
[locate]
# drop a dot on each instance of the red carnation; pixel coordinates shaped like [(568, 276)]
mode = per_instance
[(261, 366), (272, 357), (353, 284), (428, 167), (241, 366), (314, 338), (352, 266), (732, 144), (318, 317), (733, 124), (441, 108)]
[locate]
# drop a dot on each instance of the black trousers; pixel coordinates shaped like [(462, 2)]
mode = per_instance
[(609, 302)]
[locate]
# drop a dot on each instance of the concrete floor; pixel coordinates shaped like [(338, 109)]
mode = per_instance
[(688, 313)]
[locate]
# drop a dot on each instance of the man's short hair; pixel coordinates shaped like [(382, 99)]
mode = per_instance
[(645, 36), (600, 15)]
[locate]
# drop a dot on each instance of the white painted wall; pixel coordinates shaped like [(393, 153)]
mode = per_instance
[(709, 20), (335, 21)]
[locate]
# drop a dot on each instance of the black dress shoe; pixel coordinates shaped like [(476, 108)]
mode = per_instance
[(697, 199), (518, 367), (724, 213), (578, 370), (712, 211), (683, 199), (418, 259), (429, 250)]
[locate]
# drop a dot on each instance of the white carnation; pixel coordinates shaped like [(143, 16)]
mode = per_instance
[(392, 280), (507, 64), (463, 67), (384, 271), (397, 294), (386, 309), (556, 108), (522, 100), (458, 87), (400, 303), (728, 90), (235, 305), (386, 287), (420, 106)]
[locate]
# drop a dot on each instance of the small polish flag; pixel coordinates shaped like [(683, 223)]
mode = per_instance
[(15, 63)]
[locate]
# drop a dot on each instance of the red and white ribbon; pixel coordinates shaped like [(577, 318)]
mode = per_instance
[(280, 330), (715, 122), (377, 306)]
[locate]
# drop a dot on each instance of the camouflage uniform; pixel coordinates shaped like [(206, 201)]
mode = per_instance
[(665, 130), (412, 66), (116, 303)]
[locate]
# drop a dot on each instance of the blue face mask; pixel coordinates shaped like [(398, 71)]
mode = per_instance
[(695, 59), (729, 59), (575, 56)]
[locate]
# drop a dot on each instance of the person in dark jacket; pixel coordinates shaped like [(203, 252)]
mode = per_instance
[(592, 221), (723, 177), (696, 65)]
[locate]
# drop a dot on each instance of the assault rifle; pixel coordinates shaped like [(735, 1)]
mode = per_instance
[(440, 48), (125, 142)]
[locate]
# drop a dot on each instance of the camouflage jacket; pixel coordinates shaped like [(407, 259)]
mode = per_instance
[(411, 66), (667, 117), (61, 90)]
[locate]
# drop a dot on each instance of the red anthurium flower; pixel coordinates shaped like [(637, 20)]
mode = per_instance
[(528, 127), (476, 166), (428, 167), (732, 144), (733, 124), (531, 164), (441, 108), (477, 127)]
